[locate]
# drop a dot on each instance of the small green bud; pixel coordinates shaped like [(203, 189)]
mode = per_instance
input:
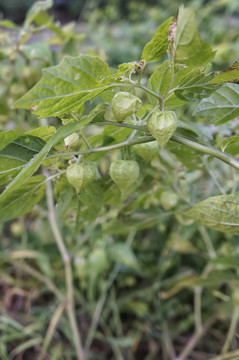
[(79, 176), (125, 104), (72, 141), (168, 200), (162, 125), (124, 173), (146, 150)]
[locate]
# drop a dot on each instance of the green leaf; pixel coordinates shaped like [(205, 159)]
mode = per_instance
[(30, 167), (36, 9), (160, 81), (7, 24), (231, 74), (190, 49), (221, 106), (22, 200), (158, 45), (186, 84), (219, 213), (231, 145), (65, 87), (122, 253), (23, 149), (37, 50), (43, 132), (198, 87), (91, 199)]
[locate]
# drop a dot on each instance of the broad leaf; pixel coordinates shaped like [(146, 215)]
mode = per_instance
[(22, 200), (16, 153), (30, 167), (230, 74), (219, 213), (181, 84), (190, 49), (65, 87), (158, 45), (221, 106)]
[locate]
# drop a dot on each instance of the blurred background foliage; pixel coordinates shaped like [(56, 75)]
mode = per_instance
[(139, 272)]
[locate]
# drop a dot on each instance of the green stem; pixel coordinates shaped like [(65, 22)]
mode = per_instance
[(208, 150), (232, 330), (68, 270)]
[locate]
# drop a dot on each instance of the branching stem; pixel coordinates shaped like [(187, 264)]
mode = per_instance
[(205, 149)]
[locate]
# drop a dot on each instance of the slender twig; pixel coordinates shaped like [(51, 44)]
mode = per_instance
[(233, 355), (197, 309), (228, 159), (232, 330), (68, 270), (195, 339)]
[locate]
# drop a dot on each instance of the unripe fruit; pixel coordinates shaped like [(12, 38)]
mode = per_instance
[(146, 150), (79, 176), (125, 104), (124, 173), (72, 141), (168, 200), (162, 125)]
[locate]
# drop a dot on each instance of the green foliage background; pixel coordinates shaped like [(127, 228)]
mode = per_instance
[(147, 279)]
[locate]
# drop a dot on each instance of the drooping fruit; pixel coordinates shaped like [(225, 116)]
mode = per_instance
[(146, 150), (124, 173), (72, 141), (162, 125), (125, 104), (79, 176)]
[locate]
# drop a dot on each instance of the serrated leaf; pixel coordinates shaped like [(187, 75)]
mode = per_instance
[(30, 167), (158, 45), (218, 212), (22, 200), (221, 106), (65, 87), (190, 49)]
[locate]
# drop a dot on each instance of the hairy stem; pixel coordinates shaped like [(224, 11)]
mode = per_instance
[(70, 308)]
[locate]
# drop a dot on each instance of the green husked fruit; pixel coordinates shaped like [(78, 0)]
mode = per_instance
[(146, 150), (124, 173), (168, 200), (72, 141), (162, 125), (125, 104), (79, 176)]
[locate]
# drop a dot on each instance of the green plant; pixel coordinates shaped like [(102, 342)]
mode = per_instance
[(81, 91)]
